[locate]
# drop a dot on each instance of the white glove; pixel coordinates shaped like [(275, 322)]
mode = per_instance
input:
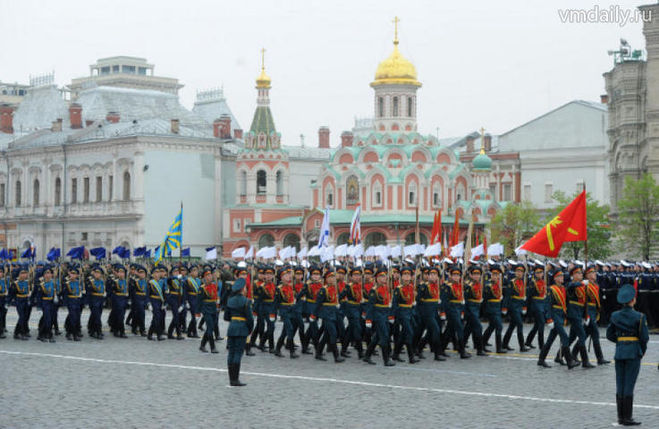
[(504, 311), (368, 324), (584, 282), (148, 306), (550, 325), (442, 316), (586, 321), (180, 309), (523, 312), (272, 318)]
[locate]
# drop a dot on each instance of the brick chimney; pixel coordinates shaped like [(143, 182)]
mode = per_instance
[(6, 119), (225, 127), (323, 138), (238, 134), (57, 126), (346, 139), (75, 115), (470, 144), (113, 117), (604, 98), (488, 143), (217, 124), (175, 126)]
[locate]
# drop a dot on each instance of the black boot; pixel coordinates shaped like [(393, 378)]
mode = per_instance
[(543, 355), (620, 409), (369, 353), (397, 349), (335, 352), (480, 350), (520, 340), (211, 341), (149, 335), (248, 349), (237, 375), (571, 363), (291, 348), (280, 344), (559, 357), (598, 353), (627, 407), (344, 349), (410, 354), (360, 349), (463, 353), (385, 356), (584, 358), (202, 347), (497, 340)]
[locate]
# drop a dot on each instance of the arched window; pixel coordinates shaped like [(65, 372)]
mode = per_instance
[(436, 195), (18, 193), (342, 238), (58, 191), (266, 240), (377, 194), (395, 106), (380, 107), (280, 182), (411, 192), (126, 186), (243, 183), (330, 196), (292, 240), (352, 191), (411, 237), (410, 103), (261, 183), (375, 239), (35, 193)]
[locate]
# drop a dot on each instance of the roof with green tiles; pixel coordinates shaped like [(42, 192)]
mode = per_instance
[(263, 121)]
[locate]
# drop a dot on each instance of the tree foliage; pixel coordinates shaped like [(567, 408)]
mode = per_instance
[(638, 212), (514, 224), (597, 223)]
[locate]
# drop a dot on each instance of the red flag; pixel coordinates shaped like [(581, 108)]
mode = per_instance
[(485, 246), (436, 234), (569, 225), (456, 230)]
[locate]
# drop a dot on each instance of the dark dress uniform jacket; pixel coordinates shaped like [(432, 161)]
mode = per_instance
[(240, 314), (629, 330)]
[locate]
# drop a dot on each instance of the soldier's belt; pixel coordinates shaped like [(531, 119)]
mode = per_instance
[(238, 319), (557, 307), (47, 298), (311, 301), (405, 305), (173, 293), (539, 297), (519, 297), (576, 303), (155, 296), (97, 294), (475, 301), (268, 300), (627, 338), (352, 302), (193, 293), (286, 304), (330, 304), (456, 301), (382, 305), (21, 295), (429, 299), (140, 294), (594, 304), (121, 294), (209, 300), (73, 296), (494, 300)]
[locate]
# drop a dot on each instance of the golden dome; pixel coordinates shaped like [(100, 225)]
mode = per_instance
[(395, 70), (263, 81)]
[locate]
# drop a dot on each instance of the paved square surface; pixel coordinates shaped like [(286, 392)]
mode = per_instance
[(138, 383)]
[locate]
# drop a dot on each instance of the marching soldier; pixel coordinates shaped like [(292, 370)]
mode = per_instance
[(192, 291), (208, 301), (593, 309), (428, 307), (310, 293), (473, 293), (119, 288), (493, 296), (73, 292), (353, 300), (453, 298), (174, 298), (21, 290), (285, 305), (403, 301), (516, 308), (629, 331), (139, 300), (556, 323), (96, 293), (381, 299), (267, 309), (46, 294), (4, 295), (576, 295), (327, 308), (156, 301), (537, 297)]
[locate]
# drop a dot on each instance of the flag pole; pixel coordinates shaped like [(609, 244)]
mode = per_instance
[(180, 252)]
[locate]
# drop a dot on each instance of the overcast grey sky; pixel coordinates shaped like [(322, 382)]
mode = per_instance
[(495, 64)]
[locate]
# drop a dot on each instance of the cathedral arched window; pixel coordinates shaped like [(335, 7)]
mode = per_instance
[(329, 196), (58, 191), (35, 193), (18, 193), (243, 183), (436, 195), (280, 182), (377, 194), (352, 191), (266, 240), (126, 186), (380, 107), (395, 113), (411, 194), (261, 182)]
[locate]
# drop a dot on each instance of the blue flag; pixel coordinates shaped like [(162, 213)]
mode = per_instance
[(147, 254), (76, 252), (172, 239), (54, 254), (29, 253), (139, 251), (124, 253), (185, 252), (98, 252), (4, 254)]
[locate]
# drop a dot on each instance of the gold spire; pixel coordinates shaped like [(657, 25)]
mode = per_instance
[(482, 141), (263, 81), (395, 69)]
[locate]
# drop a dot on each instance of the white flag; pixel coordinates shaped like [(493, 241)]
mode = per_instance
[(395, 252), (250, 253), (303, 252), (410, 250), (323, 239), (458, 250), (314, 251), (495, 249), (359, 250), (433, 250), (341, 250), (238, 253), (211, 254), (477, 251)]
